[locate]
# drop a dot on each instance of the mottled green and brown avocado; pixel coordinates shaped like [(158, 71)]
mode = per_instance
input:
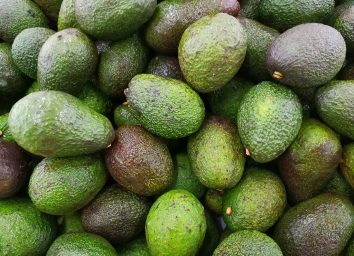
[(347, 164)]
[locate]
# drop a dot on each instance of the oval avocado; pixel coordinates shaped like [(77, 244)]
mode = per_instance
[(67, 17), (347, 164), (125, 115)]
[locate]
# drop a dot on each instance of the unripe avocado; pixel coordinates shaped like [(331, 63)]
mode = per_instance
[(59, 54), (347, 165), (166, 107), (70, 223), (216, 153), (137, 247), (95, 99), (5, 133), (175, 225), (209, 59), (165, 66), (78, 129), (50, 8), (269, 118), (213, 200), (125, 115), (67, 17)]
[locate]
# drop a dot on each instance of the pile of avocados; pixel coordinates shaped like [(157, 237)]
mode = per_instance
[(176, 128)]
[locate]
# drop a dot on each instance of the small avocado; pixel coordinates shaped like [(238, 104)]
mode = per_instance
[(213, 200), (212, 235), (166, 107), (216, 153), (137, 247), (78, 129), (125, 115), (5, 133), (81, 244), (210, 59), (67, 17), (50, 8), (34, 87), (140, 162), (269, 118), (70, 223), (339, 185), (335, 103), (95, 99), (312, 61), (250, 9), (175, 225), (319, 226), (347, 164), (165, 66), (246, 243)]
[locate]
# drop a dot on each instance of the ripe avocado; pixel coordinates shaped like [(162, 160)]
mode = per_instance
[(213, 200), (125, 115), (137, 247), (347, 165), (95, 99), (5, 133), (67, 18), (165, 66)]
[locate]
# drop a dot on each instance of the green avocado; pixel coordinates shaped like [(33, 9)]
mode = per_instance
[(50, 7), (165, 66), (213, 200), (347, 164), (338, 184), (34, 87), (70, 223), (95, 99), (5, 133), (67, 18), (137, 247), (347, 72), (212, 235), (250, 9), (125, 115)]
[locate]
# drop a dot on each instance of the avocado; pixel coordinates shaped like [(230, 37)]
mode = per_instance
[(70, 223), (137, 247), (250, 9), (259, 38), (140, 162), (17, 15), (171, 18), (269, 118), (347, 164), (119, 64), (67, 17), (350, 248), (95, 99), (339, 185), (81, 244), (13, 169), (186, 178), (334, 104), (285, 14), (312, 61), (125, 115), (5, 133), (210, 59), (319, 226), (34, 87), (60, 186), (165, 66), (212, 235), (213, 200), (25, 49), (12, 81), (226, 100), (256, 203), (175, 225), (113, 20), (246, 243), (24, 229), (78, 129), (216, 153), (347, 72), (50, 8), (166, 107)]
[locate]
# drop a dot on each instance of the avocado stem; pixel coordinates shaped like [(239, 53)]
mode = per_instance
[(109, 146), (248, 153), (125, 103), (277, 75), (228, 211), (1, 133)]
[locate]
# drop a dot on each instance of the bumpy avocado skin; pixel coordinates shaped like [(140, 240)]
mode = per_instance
[(338, 184), (137, 247), (95, 99), (78, 129), (347, 165), (67, 18), (165, 66), (250, 9), (209, 59), (5, 133), (125, 115), (50, 7), (70, 223)]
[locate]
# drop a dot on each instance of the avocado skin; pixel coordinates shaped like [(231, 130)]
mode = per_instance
[(50, 7), (310, 161), (175, 225), (166, 107), (125, 115), (268, 119), (248, 242), (119, 64), (212, 235), (334, 104), (116, 214), (347, 165), (70, 223), (137, 247), (339, 185), (24, 229), (113, 20), (213, 200), (25, 49), (13, 169), (171, 18), (19, 15), (4, 128), (81, 244), (95, 99), (347, 72), (165, 66), (296, 55), (250, 9), (319, 226), (204, 52), (79, 129), (140, 162), (67, 18)]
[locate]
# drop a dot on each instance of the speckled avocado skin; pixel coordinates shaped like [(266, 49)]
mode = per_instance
[(125, 115), (347, 165), (175, 225), (4, 128), (211, 51), (67, 18), (165, 66), (319, 226), (137, 247)]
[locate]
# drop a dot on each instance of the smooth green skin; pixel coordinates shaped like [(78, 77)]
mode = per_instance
[(257, 202), (19, 15), (297, 56), (285, 14), (334, 104), (113, 20), (226, 100), (175, 225), (81, 244), (311, 160), (12, 81), (4, 128), (67, 18), (24, 229), (319, 226), (60, 186), (125, 115), (95, 99), (137, 247), (166, 107), (222, 169), (347, 165), (248, 243), (165, 66), (213, 201), (116, 214), (186, 178), (212, 235), (339, 185), (210, 59), (269, 118), (25, 49), (250, 9), (259, 39), (171, 18), (120, 63), (78, 129), (59, 54), (70, 223), (50, 7)]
